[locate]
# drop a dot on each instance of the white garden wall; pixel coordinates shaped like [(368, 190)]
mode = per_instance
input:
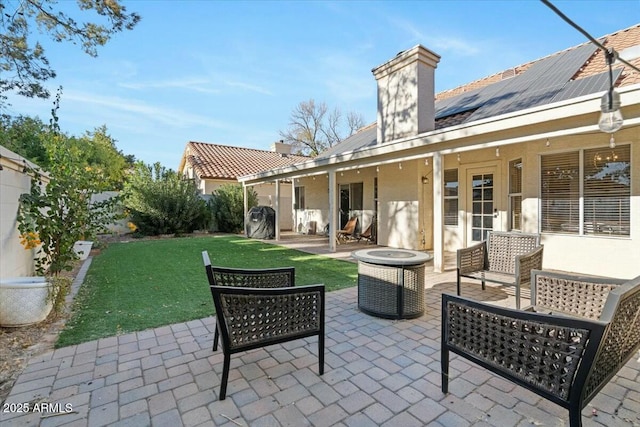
[(15, 261)]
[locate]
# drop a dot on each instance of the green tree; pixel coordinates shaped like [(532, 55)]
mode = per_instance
[(25, 136), (159, 201), (227, 207), (23, 64), (101, 154), (53, 216)]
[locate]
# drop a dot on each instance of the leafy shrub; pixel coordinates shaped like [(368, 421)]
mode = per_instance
[(227, 207), (57, 213), (159, 201)]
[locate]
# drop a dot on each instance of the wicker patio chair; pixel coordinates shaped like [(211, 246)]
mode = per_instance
[(506, 258), (250, 317), (565, 354), (282, 277)]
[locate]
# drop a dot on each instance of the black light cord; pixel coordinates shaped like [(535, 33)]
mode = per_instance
[(610, 53)]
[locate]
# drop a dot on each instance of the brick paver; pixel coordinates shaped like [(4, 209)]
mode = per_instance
[(378, 372)]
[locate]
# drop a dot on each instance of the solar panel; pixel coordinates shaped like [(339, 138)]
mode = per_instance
[(539, 84), (591, 84)]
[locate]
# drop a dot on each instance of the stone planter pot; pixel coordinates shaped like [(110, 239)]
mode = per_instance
[(24, 301)]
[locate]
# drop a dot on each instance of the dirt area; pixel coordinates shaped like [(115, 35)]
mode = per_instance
[(18, 345)]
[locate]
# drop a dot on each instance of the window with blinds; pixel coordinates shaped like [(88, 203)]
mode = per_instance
[(515, 194), (605, 175), (607, 191), (451, 197), (560, 197)]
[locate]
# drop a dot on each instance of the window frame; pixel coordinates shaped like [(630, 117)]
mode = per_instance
[(448, 216), (513, 195), (580, 190)]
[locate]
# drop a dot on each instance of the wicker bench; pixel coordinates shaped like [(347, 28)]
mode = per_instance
[(256, 308), (579, 332), (506, 258)]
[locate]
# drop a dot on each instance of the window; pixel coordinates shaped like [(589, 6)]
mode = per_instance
[(299, 202), (607, 191), (451, 197), (515, 194), (587, 192)]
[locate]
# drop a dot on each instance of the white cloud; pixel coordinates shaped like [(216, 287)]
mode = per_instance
[(167, 116), (249, 87), (196, 84), (452, 44)]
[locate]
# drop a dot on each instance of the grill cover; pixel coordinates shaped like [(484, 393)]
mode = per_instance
[(260, 223)]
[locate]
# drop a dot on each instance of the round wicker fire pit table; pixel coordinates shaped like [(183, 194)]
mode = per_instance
[(391, 282)]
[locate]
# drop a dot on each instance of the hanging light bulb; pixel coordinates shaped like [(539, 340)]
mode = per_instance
[(611, 118), (612, 142), (548, 143)]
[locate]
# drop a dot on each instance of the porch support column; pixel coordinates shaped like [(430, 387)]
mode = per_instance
[(333, 212), (245, 205), (277, 209), (438, 213)]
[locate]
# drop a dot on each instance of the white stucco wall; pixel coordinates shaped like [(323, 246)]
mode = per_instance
[(399, 215), (15, 261)]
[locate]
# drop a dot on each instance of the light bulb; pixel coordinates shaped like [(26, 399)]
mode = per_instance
[(611, 118), (610, 122), (612, 142)]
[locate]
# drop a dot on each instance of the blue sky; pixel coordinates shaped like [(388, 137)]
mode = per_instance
[(231, 72)]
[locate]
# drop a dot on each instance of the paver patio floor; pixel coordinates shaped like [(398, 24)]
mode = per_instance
[(378, 372)]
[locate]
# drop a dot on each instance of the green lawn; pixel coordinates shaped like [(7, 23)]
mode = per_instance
[(144, 284)]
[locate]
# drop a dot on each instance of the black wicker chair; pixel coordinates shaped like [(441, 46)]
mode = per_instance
[(506, 258), (282, 277), (257, 308), (564, 353)]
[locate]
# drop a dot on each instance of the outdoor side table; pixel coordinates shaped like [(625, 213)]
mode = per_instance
[(391, 282)]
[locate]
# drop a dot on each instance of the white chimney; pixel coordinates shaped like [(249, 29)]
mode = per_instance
[(406, 94), (281, 147)]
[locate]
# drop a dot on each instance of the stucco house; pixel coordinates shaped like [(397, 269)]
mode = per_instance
[(519, 150), (213, 165)]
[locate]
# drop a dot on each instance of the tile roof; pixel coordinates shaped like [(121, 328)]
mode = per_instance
[(570, 73), (214, 161)]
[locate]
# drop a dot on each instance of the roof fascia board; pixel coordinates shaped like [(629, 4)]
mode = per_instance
[(566, 109)]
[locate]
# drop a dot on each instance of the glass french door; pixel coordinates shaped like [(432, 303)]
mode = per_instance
[(481, 204)]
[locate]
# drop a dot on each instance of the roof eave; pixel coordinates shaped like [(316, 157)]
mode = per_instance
[(588, 104)]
